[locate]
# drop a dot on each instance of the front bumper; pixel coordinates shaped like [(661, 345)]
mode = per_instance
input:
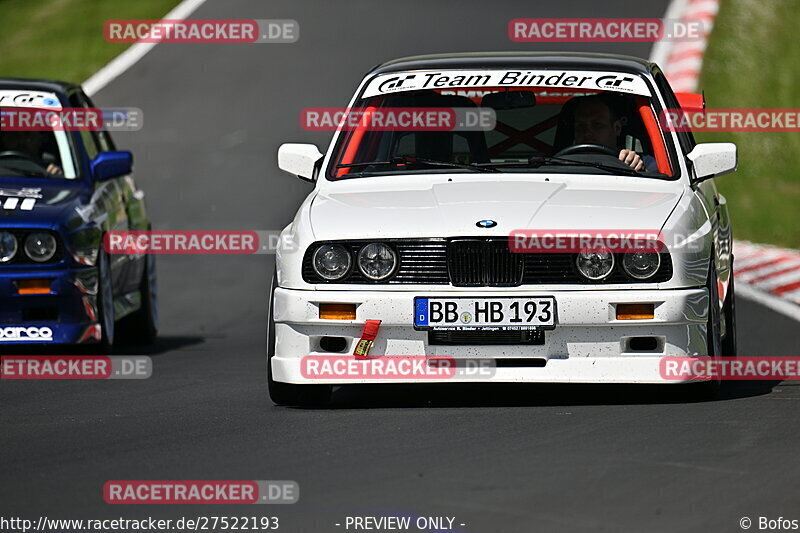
[(67, 315), (588, 345)]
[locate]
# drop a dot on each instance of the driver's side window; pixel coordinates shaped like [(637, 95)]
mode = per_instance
[(89, 142)]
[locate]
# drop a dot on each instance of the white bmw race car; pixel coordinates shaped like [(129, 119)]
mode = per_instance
[(535, 212)]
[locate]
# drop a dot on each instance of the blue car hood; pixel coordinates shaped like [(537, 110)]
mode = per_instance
[(38, 202)]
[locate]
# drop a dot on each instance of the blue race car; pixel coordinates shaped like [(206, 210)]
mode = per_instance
[(60, 193)]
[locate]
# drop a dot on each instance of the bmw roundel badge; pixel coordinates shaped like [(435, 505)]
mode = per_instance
[(486, 223)]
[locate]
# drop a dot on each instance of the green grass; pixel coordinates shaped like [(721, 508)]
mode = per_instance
[(753, 61), (63, 39)]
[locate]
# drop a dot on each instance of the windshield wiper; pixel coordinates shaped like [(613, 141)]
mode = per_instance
[(539, 160), (403, 160)]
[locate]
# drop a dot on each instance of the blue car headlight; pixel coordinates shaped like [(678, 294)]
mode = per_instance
[(8, 246), (40, 246)]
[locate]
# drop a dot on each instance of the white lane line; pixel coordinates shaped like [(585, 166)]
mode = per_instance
[(135, 52)]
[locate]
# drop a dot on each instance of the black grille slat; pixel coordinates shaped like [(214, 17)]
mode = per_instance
[(466, 263), (476, 262), (505, 267)]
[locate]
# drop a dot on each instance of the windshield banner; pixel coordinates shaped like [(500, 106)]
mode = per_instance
[(442, 79), (28, 99)]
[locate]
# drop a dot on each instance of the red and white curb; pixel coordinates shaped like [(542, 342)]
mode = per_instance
[(768, 268), (682, 61), (766, 274)]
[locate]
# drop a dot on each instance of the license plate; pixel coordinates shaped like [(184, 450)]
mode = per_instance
[(502, 314)]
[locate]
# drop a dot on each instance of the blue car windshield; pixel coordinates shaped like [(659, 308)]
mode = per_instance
[(36, 153)]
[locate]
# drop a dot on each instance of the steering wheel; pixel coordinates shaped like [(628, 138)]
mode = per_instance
[(22, 155), (582, 149)]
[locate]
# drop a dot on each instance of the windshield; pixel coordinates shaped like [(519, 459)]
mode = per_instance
[(502, 121), (32, 148)]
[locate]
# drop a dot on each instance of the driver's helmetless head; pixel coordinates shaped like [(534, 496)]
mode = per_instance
[(596, 123)]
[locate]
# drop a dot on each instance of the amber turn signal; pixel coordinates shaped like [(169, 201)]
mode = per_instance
[(33, 286), (337, 311), (635, 311)]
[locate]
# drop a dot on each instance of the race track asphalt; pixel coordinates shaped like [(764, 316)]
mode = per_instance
[(498, 459)]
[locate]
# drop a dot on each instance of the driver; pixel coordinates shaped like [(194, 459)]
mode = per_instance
[(30, 143), (597, 123)]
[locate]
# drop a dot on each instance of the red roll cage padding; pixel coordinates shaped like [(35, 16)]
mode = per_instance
[(527, 136), (354, 141), (654, 132)]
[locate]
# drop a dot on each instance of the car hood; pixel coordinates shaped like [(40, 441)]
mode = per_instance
[(445, 208), (39, 202)]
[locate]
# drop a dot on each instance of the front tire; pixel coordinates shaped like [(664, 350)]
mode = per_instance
[(289, 393), (729, 341), (105, 303), (709, 390), (141, 326)]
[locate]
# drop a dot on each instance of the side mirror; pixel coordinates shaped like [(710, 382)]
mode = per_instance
[(302, 160), (713, 159), (108, 165)]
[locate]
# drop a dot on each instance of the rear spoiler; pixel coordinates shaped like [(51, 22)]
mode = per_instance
[(692, 102)]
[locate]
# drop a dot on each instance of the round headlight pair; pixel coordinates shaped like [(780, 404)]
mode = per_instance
[(39, 246), (598, 265), (376, 261)]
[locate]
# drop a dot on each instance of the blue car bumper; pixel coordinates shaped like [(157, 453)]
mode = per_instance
[(68, 314)]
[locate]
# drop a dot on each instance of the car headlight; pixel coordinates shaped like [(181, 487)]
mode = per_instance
[(641, 265), (332, 261), (377, 261), (595, 265), (8, 246), (40, 246)]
